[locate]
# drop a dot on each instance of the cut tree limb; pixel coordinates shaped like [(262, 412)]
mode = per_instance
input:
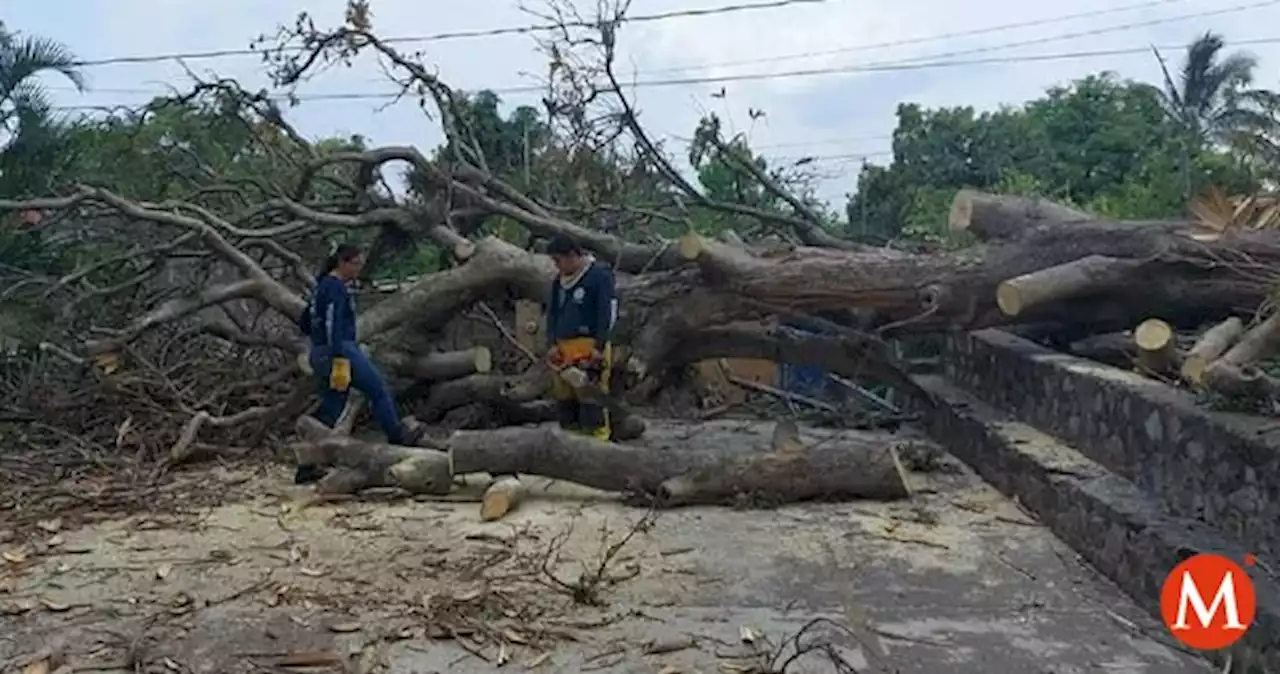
[(994, 216), (1211, 345), (866, 467), (1088, 275), (501, 497), (1236, 372), (440, 365), (1157, 346), (494, 388)]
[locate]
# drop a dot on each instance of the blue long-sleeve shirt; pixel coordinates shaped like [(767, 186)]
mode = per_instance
[(588, 307), (330, 320)]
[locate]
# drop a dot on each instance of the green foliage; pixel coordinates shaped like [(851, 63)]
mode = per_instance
[(1102, 143)]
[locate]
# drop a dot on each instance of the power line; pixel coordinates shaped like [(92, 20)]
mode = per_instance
[(932, 60), (784, 75), (937, 37), (459, 35), (1008, 45)]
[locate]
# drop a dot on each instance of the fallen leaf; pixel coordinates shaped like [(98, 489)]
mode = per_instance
[(54, 541), (538, 661), (52, 526), (163, 571), (40, 666), (748, 635), (670, 669), (14, 556), (344, 628), (314, 573), (54, 606)]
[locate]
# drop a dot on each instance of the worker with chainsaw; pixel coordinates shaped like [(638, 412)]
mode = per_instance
[(335, 356), (580, 317)]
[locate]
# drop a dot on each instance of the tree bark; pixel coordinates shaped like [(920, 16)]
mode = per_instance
[(994, 216), (1088, 275), (1211, 345), (865, 468), (441, 365)]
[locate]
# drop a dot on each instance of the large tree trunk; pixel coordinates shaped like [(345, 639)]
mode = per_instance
[(868, 468)]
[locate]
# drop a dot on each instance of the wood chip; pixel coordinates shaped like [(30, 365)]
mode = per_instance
[(14, 556), (314, 573), (538, 661), (163, 571), (52, 526)]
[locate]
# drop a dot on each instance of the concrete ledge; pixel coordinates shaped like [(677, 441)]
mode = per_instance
[(1105, 518), (1200, 464)]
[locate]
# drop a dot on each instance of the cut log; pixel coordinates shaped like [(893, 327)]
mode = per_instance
[(441, 365), (791, 473), (1211, 345), (993, 216), (1157, 346), (364, 465), (491, 388), (862, 467), (1236, 373), (1079, 278), (501, 497)]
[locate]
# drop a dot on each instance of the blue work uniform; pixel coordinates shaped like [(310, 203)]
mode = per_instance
[(330, 322), (580, 320)]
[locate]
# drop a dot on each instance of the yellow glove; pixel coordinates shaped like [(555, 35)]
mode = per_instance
[(340, 374)]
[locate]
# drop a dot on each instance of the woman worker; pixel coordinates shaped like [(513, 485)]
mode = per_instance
[(336, 358)]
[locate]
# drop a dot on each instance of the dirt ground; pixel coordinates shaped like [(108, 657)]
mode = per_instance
[(958, 580)]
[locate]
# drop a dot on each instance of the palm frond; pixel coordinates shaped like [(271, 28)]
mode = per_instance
[(25, 56)]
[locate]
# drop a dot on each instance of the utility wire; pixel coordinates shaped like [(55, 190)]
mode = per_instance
[(459, 35), (749, 77), (937, 37), (929, 61)]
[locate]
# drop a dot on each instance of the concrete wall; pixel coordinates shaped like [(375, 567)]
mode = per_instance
[(1202, 465)]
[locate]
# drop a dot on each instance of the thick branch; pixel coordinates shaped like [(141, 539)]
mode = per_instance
[(994, 216)]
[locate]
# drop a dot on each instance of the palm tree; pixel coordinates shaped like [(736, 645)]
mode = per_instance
[(28, 130), (1210, 100)]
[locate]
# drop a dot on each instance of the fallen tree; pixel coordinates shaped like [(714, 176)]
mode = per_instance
[(685, 295), (785, 472)]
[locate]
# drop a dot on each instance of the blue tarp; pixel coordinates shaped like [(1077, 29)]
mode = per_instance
[(806, 380)]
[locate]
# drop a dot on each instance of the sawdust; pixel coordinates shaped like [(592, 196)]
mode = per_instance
[(258, 583)]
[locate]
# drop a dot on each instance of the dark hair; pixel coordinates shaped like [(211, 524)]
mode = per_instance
[(345, 252), (563, 245)]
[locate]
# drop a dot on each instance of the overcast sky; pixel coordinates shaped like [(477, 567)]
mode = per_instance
[(838, 117)]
